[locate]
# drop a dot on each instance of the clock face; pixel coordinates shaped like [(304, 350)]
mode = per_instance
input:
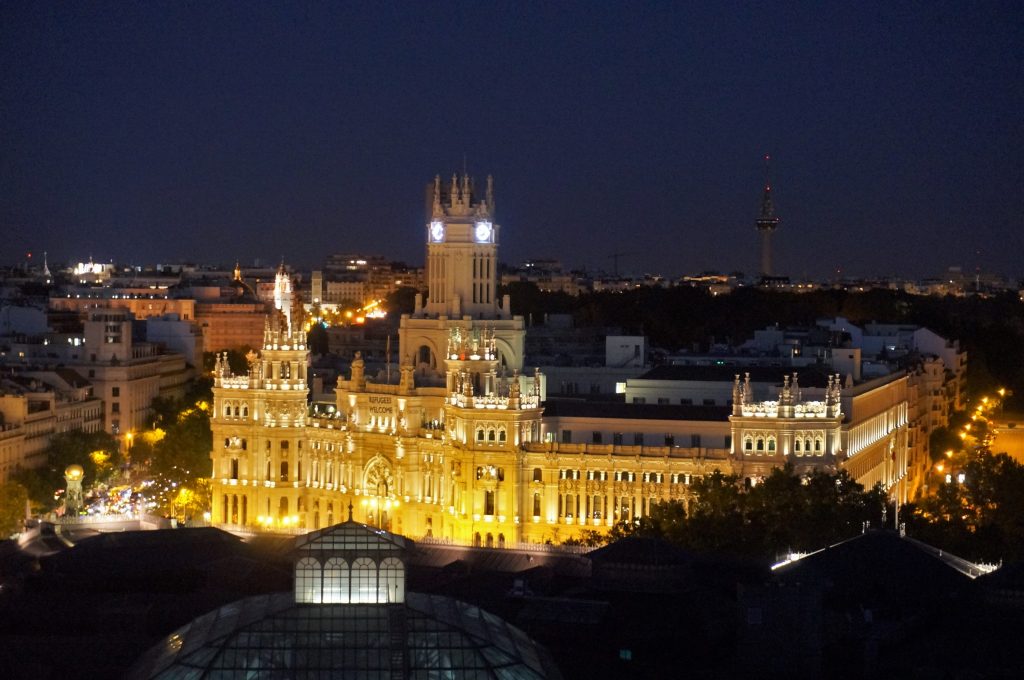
[(437, 231), (483, 231)]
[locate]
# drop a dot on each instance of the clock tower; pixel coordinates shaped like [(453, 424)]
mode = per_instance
[(462, 279), (462, 250)]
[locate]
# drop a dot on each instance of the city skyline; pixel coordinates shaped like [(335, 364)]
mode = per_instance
[(170, 133)]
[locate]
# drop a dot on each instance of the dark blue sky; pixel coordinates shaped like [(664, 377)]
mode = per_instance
[(214, 131)]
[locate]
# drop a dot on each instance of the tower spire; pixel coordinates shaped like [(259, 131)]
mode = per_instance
[(767, 222)]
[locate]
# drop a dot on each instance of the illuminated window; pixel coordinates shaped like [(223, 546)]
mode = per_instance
[(771, 443), (335, 581), (392, 581), (307, 580), (364, 580)]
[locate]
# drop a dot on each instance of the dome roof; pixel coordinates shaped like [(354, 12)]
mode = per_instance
[(272, 636)]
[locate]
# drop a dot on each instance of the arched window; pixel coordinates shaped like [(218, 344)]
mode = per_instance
[(335, 581), (760, 444), (245, 411), (284, 471), (227, 411), (392, 581), (234, 468), (771, 443), (282, 508), (818, 445), (364, 580), (748, 444), (796, 446), (501, 436), (479, 434), (490, 435), (536, 504), (308, 580), (237, 411)]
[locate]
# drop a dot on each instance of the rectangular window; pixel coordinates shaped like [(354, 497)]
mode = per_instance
[(115, 407), (638, 439), (639, 400), (728, 441), (567, 436), (115, 391), (663, 400), (595, 437), (617, 439), (709, 402), (670, 440), (695, 441), (686, 402), (537, 475)]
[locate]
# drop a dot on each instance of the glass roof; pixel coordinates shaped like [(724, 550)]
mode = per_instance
[(352, 536), (430, 636)]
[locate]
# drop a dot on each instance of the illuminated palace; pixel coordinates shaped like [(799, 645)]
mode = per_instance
[(460, 448)]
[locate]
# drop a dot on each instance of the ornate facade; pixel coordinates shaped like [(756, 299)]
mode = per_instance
[(458, 448)]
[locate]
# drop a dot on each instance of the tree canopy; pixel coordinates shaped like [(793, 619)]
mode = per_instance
[(785, 513), (98, 453)]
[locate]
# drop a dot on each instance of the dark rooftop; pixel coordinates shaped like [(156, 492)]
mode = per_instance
[(809, 376), (620, 409)]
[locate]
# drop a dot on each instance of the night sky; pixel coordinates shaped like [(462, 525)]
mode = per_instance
[(167, 132)]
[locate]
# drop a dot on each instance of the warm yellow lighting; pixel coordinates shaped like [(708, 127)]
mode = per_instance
[(963, 435), (153, 436), (940, 467), (949, 453), (1002, 391), (99, 458)]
